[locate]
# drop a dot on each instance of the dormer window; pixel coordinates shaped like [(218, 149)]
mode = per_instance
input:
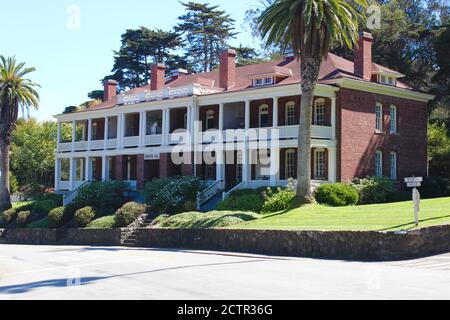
[(386, 79), (259, 82), (268, 81)]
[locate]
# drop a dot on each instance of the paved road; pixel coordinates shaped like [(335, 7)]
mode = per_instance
[(116, 273)]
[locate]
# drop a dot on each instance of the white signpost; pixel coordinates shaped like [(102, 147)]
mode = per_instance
[(415, 182)]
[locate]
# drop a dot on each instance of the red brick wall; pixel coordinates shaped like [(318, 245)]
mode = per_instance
[(297, 99), (358, 142), (227, 69), (254, 112), (140, 167), (158, 76), (164, 165)]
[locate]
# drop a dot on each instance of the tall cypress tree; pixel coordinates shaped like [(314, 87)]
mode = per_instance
[(206, 31)]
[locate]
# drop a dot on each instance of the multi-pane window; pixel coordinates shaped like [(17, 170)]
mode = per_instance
[(319, 165), (379, 117), (259, 82), (268, 81), (393, 122), (319, 112), (393, 166), (379, 164), (291, 164), (210, 120), (290, 113), (263, 116), (79, 172)]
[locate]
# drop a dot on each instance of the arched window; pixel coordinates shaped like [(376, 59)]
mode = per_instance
[(393, 121), (210, 123), (379, 163), (291, 164), (263, 116), (379, 117), (393, 165), (319, 164), (290, 113), (319, 112)]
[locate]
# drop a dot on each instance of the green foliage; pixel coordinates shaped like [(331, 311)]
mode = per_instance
[(431, 188), (84, 216), (129, 213), (13, 184), (373, 190), (277, 201), (56, 218), (33, 152), (336, 195), (108, 222), (44, 206), (23, 218), (172, 195), (39, 224), (56, 198), (7, 217), (196, 220), (106, 197), (242, 200)]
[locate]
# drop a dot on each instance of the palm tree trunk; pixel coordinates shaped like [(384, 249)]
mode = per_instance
[(5, 198), (310, 72)]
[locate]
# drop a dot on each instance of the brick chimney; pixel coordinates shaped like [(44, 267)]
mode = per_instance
[(158, 76), (363, 56), (228, 68), (109, 89)]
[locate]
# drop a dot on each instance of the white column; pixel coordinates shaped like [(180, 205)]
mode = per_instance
[(247, 114), (245, 164), (167, 132), (74, 131), (332, 165), (220, 164), (274, 166), (72, 171), (105, 168), (120, 129), (88, 169), (142, 127), (275, 112), (105, 134), (89, 139), (221, 118), (57, 173), (333, 117)]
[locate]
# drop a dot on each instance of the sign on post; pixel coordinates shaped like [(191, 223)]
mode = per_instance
[(415, 182)]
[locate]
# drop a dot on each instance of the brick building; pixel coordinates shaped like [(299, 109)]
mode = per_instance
[(365, 122)]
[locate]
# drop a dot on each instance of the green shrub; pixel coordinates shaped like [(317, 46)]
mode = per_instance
[(431, 189), (84, 216), (106, 197), (56, 198), (43, 207), (244, 201), (278, 201), (23, 218), (108, 222), (7, 217), (129, 213), (56, 218), (39, 224), (336, 195), (172, 195), (13, 184), (374, 190)]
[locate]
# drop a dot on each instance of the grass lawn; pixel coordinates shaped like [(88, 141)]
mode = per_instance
[(196, 220), (385, 217)]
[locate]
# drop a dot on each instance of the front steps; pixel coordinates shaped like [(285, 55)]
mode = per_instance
[(130, 241)]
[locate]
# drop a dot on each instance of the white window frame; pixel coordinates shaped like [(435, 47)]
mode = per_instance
[(268, 81), (379, 118), (393, 119), (290, 113), (393, 165), (263, 110), (379, 163), (258, 82), (290, 164), (319, 117), (319, 164), (210, 115)]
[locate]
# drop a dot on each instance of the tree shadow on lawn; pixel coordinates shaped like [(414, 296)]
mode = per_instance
[(61, 283), (413, 224)]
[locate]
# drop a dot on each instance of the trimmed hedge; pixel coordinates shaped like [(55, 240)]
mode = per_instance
[(336, 195), (373, 190), (56, 218), (23, 218), (7, 217), (44, 206), (278, 201), (129, 213), (84, 216)]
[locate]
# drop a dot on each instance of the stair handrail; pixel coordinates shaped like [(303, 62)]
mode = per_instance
[(208, 193), (226, 195), (68, 198)]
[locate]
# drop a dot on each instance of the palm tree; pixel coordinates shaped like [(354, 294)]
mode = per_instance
[(310, 27), (15, 92)]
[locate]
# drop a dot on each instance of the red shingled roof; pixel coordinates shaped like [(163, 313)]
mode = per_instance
[(333, 67)]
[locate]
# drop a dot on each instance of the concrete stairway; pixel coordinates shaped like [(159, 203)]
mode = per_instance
[(211, 204), (130, 241)]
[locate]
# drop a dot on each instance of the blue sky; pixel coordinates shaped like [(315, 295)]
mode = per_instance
[(71, 59)]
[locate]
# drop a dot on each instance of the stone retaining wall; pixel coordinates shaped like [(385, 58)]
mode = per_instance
[(366, 246)]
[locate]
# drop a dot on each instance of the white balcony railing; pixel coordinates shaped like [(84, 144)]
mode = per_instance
[(179, 138), (318, 132), (111, 144), (64, 185), (81, 146), (65, 147), (153, 140), (130, 142), (97, 145)]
